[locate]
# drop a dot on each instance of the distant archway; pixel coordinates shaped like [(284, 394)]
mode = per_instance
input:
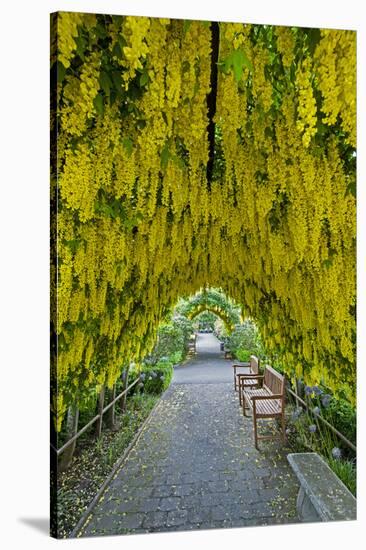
[(216, 302)]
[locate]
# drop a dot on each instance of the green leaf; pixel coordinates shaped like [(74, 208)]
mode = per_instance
[(144, 78), (186, 66), (236, 61), (61, 71), (112, 97), (165, 156), (101, 31), (179, 161), (81, 44), (73, 244), (122, 41), (117, 50), (74, 142), (117, 19), (239, 62), (332, 252), (327, 263), (99, 104), (351, 188), (105, 82), (128, 145), (117, 81), (186, 25), (130, 223), (313, 39)]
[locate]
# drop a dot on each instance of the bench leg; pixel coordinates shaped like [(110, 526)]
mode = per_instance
[(243, 403), (305, 508), (255, 428)]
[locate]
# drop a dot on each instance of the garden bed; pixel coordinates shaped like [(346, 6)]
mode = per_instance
[(94, 460)]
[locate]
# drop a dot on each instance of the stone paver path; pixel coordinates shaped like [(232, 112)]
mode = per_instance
[(195, 465)]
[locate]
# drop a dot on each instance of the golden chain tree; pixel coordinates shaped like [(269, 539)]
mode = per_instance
[(139, 223)]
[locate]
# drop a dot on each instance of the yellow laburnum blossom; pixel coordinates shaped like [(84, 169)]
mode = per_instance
[(77, 184), (135, 31), (67, 31), (306, 109), (335, 58), (285, 45)]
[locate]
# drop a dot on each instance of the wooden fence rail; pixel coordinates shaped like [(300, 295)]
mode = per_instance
[(93, 420)]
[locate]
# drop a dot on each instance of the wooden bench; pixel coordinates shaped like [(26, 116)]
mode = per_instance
[(192, 344), (242, 379), (192, 347), (266, 401), (322, 494)]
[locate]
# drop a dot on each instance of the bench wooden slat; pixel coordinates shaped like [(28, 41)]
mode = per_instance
[(264, 407), (249, 381)]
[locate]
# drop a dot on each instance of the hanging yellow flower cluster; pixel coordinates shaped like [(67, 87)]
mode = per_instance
[(335, 58), (307, 119), (138, 225)]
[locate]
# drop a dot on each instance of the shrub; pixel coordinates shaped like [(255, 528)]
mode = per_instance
[(172, 339), (176, 357), (243, 354), (157, 378), (245, 337), (346, 471), (342, 416)]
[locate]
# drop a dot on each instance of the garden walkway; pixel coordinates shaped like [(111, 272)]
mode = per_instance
[(195, 465)]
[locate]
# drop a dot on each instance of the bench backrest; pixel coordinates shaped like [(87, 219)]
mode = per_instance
[(274, 381), (254, 364)]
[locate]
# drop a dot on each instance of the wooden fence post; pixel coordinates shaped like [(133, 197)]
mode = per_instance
[(110, 416), (125, 385), (72, 428), (99, 423)]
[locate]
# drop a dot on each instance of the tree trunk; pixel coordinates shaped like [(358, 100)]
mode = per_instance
[(72, 428), (99, 422)]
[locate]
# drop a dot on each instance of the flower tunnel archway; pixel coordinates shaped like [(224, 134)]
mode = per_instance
[(217, 303), (190, 155), (216, 311)]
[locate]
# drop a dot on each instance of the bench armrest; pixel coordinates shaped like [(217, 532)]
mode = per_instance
[(248, 375), (246, 365)]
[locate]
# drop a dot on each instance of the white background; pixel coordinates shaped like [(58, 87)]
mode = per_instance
[(24, 302)]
